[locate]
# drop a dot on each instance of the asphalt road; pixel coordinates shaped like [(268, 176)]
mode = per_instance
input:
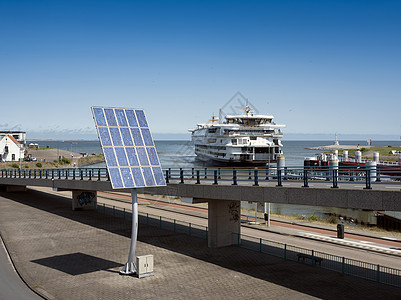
[(11, 285)]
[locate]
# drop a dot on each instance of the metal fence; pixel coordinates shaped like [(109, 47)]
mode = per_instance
[(347, 266), (232, 176), (352, 267)]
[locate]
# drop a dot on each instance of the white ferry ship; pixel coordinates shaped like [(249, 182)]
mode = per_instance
[(240, 139)]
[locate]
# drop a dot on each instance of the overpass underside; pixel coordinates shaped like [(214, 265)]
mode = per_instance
[(224, 200)]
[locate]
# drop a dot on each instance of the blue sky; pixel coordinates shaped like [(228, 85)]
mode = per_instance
[(320, 67)]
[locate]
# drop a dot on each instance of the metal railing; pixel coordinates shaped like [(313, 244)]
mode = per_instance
[(256, 176), (67, 173), (233, 176), (340, 264)]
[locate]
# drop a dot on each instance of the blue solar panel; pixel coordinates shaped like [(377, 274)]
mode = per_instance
[(143, 158), (127, 177), (122, 121), (132, 158), (127, 139), (104, 136), (110, 157), (128, 147), (147, 137), (110, 116), (136, 134), (138, 177), (141, 118), (99, 116), (131, 118), (154, 161), (147, 173), (157, 171), (121, 158), (115, 178)]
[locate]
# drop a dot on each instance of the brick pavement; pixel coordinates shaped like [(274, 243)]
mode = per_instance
[(77, 255)]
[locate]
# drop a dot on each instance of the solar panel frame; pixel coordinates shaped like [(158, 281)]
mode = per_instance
[(128, 146)]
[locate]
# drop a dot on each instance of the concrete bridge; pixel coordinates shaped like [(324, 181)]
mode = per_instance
[(223, 189)]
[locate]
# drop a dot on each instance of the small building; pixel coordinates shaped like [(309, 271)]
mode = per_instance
[(10, 149), (19, 136)]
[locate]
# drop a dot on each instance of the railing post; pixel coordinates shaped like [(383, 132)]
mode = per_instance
[(306, 177), (378, 174), (108, 175), (367, 179), (167, 178), (205, 173), (335, 179), (59, 173), (352, 174), (197, 177), (81, 174), (181, 175), (169, 172), (66, 174), (90, 174), (219, 173), (98, 175), (193, 173), (73, 174), (279, 179), (313, 258), (378, 273), (215, 177), (250, 174), (256, 178), (234, 177), (343, 266), (267, 173)]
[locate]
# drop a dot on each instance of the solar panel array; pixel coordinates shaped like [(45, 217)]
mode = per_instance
[(128, 147)]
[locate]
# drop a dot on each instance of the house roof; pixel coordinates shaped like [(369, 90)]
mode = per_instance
[(13, 139)]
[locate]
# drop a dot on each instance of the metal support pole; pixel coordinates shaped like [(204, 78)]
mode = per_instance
[(256, 178), (181, 175), (367, 179), (306, 178), (234, 177), (130, 268), (197, 177), (279, 179), (335, 179), (167, 177), (215, 177)]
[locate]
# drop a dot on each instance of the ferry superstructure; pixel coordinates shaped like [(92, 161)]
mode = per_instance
[(241, 139)]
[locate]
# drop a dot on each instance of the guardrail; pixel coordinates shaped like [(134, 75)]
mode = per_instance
[(347, 266), (233, 176), (67, 173)]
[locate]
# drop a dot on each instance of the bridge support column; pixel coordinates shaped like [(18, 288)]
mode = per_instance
[(224, 219), (84, 200)]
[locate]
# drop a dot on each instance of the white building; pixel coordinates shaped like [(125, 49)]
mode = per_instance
[(10, 149), (20, 136)]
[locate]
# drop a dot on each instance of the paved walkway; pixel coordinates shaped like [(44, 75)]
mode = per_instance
[(77, 255)]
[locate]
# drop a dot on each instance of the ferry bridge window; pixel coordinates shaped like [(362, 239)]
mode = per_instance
[(234, 141)]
